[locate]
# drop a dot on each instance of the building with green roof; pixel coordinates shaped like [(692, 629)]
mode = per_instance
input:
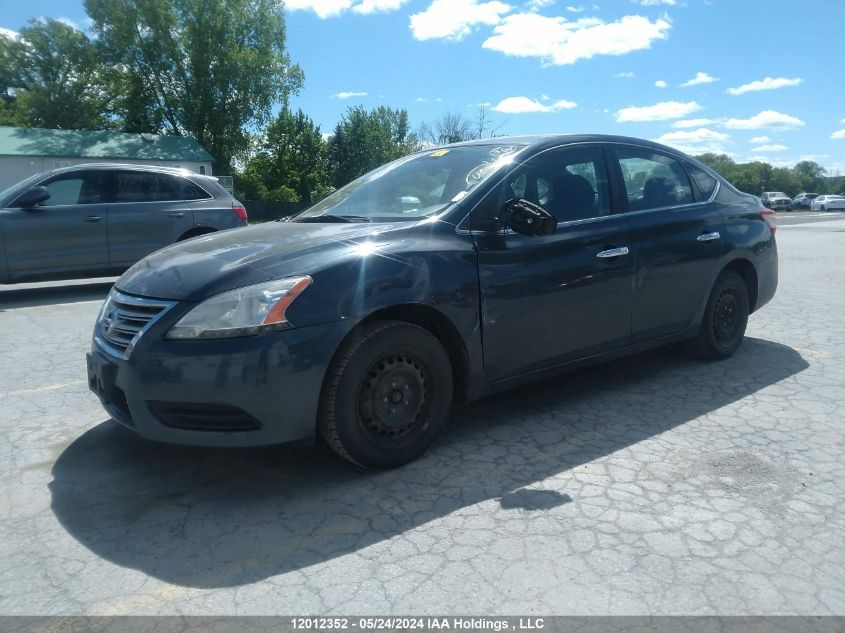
[(28, 151)]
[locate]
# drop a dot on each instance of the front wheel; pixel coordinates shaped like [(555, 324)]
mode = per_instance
[(386, 395), (725, 318)]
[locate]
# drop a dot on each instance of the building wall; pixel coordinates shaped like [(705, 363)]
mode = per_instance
[(16, 168)]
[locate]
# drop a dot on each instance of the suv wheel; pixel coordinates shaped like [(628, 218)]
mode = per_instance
[(386, 395), (725, 318)]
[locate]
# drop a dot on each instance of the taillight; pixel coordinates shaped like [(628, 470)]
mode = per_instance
[(240, 211), (771, 219)]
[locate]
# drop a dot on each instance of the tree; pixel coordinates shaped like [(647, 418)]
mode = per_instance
[(209, 68), (365, 140), (51, 77), (450, 128), (290, 164)]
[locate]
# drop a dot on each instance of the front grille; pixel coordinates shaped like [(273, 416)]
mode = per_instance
[(203, 417), (124, 319)]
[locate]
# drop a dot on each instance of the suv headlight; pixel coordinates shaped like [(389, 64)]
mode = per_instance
[(242, 312)]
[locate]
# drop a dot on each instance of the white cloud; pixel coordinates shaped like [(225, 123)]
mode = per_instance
[(14, 35), (700, 78), (455, 19), (770, 148), (366, 7), (766, 120), (520, 105), (658, 111), (575, 9), (696, 141), (348, 95), (767, 83), (536, 5), (838, 134), (558, 41), (660, 84), (761, 139), (323, 8), (654, 3), (626, 75), (689, 123)]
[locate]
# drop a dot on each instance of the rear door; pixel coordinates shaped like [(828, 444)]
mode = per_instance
[(676, 237), (554, 298), (65, 233), (146, 213)]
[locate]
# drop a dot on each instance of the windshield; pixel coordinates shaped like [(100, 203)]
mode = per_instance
[(416, 186), (23, 185)]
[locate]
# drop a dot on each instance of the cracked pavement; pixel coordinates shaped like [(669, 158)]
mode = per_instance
[(656, 484)]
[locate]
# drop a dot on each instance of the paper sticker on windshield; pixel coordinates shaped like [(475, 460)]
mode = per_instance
[(440, 152)]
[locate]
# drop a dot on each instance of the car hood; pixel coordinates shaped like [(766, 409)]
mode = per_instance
[(195, 269)]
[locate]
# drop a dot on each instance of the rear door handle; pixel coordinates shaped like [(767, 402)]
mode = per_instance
[(177, 214), (93, 218), (613, 252), (708, 237)]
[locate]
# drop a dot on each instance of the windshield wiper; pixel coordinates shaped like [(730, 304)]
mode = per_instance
[(332, 218)]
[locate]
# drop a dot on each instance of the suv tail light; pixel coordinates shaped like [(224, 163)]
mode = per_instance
[(240, 211), (771, 219)]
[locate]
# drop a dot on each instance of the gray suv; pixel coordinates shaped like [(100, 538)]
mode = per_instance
[(99, 219)]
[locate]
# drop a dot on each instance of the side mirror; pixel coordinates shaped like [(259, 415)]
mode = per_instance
[(32, 197), (527, 218)]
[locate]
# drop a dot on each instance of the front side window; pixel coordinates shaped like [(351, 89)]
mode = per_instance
[(653, 181), (146, 187), (74, 188), (571, 183)]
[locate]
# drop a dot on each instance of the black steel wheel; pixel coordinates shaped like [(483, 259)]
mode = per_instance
[(725, 318), (386, 395)]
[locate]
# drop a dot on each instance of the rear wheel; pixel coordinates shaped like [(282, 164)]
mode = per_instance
[(725, 318), (386, 395)]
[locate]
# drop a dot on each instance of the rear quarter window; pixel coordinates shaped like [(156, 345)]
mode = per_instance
[(192, 191), (705, 182)]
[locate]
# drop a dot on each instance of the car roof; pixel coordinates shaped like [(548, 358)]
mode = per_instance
[(552, 140), (173, 171)]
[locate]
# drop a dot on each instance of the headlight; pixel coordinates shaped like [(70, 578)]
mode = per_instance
[(242, 312)]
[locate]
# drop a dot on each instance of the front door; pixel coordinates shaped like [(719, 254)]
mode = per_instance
[(676, 238), (64, 234), (549, 299)]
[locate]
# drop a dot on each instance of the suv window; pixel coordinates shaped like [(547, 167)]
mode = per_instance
[(146, 187), (192, 191), (73, 188), (652, 180), (571, 183)]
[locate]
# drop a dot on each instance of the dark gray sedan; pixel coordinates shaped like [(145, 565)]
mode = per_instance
[(99, 219)]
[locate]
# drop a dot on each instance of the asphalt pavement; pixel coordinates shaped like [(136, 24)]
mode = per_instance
[(656, 484)]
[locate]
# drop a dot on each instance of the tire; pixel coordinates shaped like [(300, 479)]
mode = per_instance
[(823, 208), (386, 396), (725, 318)]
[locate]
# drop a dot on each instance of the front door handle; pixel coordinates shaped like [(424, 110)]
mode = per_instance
[(177, 214), (93, 218), (708, 237), (613, 252)]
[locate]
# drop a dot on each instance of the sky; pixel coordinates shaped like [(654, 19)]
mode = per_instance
[(756, 79)]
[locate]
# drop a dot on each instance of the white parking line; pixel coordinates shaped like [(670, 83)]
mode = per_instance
[(23, 392)]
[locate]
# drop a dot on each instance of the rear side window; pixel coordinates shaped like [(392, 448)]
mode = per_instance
[(653, 181), (192, 191), (146, 187), (705, 182)]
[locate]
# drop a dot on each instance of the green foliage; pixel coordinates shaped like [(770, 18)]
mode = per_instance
[(757, 177), (208, 68), (51, 77), (364, 140), (290, 162)]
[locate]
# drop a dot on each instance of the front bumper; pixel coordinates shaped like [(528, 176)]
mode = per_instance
[(265, 389)]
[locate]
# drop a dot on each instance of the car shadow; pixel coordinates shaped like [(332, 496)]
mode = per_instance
[(222, 518), (13, 297)]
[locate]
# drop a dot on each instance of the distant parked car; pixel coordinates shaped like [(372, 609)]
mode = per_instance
[(777, 201), (828, 203), (804, 200), (99, 219)]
